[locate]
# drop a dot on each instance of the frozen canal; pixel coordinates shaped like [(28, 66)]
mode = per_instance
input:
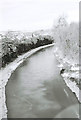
[(36, 89)]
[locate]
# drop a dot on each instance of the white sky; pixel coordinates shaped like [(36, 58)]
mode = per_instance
[(35, 14)]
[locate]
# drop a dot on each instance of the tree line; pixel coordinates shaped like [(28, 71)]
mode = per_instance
[(12, 47)]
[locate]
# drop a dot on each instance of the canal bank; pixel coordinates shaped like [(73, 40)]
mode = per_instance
[(70, 73)]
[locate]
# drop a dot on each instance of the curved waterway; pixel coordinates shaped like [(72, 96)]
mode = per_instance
[(37, 90)]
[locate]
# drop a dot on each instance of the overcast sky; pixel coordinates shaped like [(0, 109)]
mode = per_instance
[(32, 15)]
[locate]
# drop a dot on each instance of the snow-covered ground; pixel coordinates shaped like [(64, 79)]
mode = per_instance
[(5, 74), (70, 74)]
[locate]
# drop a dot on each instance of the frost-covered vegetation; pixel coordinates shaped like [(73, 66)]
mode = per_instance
[(67, 40), (66, 49), (17, 43)]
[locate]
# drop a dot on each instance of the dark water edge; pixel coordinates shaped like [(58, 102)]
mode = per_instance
[(36, 89)]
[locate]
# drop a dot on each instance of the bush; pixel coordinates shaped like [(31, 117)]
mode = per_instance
[(12, 46)]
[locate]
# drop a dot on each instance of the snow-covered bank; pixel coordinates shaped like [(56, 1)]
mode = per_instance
[(70, 73), (5, 74)]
